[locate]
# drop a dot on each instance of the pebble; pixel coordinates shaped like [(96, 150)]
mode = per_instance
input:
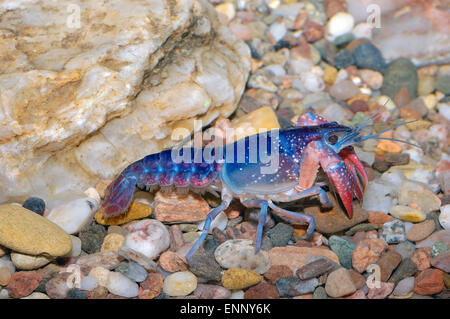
[(112, 242), (343, 59), (121, 285), (22, 284), (339, 283), (91, 237), (136, 211), (400, 73), (5, 276), (340, 24), (320, 293), (406, 249), (278, 31), (280, 234), (407, 268), (276, 272), (441, 235), (407, 213), (414, 194), (240, 253), (292, 286), (100, 274), (373, 78), (394, 232), (443, 84), (237, 294), (180, 208), (422, 258), (35, 204), (27, 262), (148, 237), (262, 290), (296, 257), (151, 287), (204, 291), (88, 283), (56, 288), (26, 232), (3, 251), (361, 228), (180, 284), (109, 260), (367, 56), (388, 261), (204, 265), (404, 287), (172, 262), (36, 295), (132, 270), (367, 252), (429, 282), (442, 261), (142, 260), (379, 218), (343, 249), (316, 268), (74, 215), (344, 90), (439, 247), (76, 294), (220, 222), (444, 216), (421, 230), (382, 292), (76, 247), (444, 110)]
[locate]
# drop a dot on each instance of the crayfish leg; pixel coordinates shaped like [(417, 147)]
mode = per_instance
[(263, 205)]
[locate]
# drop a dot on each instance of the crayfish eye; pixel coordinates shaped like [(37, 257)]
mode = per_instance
[(333, 139)]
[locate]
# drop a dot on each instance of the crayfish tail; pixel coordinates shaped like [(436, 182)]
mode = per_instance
[(118, 196)]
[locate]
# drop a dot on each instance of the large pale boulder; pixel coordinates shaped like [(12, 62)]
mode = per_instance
[(86, 89)]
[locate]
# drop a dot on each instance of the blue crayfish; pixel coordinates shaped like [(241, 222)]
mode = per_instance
[(244, 172)]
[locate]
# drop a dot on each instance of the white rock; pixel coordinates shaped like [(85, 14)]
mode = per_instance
[(363, 30), (377, 197), (5, 261), (444, 216), (4, 294), (394, 177), (148, 237), (74, 215), (240, 253), (444, 110), (100, 274), (278, 31), (237, 294), (91, 192), (341, 23), (88, 283), (76, 247), (220, 222), (407, 213), (27, 262), (121, 285), (36, 295), (181, 283)]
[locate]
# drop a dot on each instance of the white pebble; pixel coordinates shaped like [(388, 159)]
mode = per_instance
[(27, 262), (121, 285), (76, 247), (363, 30), (100, 274), (4, 294), (278, 31), (181, 283), (237, 294), (74, 215), (148, 237), (220, 222), (444, 217), (377, 197), (341, 23), (444, 110), (88, 283), (5, 261)]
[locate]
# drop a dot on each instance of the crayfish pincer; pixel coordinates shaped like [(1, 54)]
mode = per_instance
[(260, 170)]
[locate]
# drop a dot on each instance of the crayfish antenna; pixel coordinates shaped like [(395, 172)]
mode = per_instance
[(118, 196)]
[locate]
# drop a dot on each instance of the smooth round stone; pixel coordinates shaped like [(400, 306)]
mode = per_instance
[(35, 204), (121, 285), (27, 262), (238, 278), (100, 274), (112, 242), (181, 283), (340, 24), (74, 215), (367, 56), (5, 261), (237, 294), (3, 251), (4, 294), (444, 216), (220, 222), (394, 232), (148, 237), (404, 287), (240, 253), (36, 295), (421, 230), (407, 214), (344, 90), (414, 193), (88, 283), (76, 247), (26, 232), (133, 271), (443, 84), (401, 73)]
